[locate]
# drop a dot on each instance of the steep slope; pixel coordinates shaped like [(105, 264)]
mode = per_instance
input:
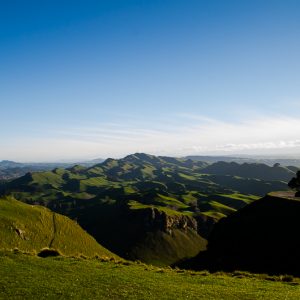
[(261, 237), (32, 228), (145, 234)]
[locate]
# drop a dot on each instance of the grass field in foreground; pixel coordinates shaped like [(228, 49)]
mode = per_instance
[(31, 277)]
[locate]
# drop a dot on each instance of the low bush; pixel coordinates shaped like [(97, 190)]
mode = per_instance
[(48, 253)]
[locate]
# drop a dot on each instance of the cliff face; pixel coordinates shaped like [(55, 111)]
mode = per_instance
[(147, 234), (162, 239), (152, 219)]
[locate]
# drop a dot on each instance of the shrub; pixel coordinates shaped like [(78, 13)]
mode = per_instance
[(48, 253), (287, 278)]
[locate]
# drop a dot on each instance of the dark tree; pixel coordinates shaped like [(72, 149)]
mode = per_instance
[(295, 184)]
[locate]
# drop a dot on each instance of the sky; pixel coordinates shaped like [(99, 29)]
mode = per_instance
[(96, 79)]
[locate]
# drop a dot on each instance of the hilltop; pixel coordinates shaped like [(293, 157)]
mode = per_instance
[(33, 228)]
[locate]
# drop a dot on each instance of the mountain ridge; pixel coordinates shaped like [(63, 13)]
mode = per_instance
[(106, 197)]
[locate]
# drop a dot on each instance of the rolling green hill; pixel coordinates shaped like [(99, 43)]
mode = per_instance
[(32, 228), (157, 209)]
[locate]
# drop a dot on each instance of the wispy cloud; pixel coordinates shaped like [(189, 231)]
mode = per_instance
[(200, 135)]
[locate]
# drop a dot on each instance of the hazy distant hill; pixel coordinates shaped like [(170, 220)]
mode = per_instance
[(254, 170), (32, 228), (5, 164), (213, 159), (10, 169), (240, 160), (157, 209)]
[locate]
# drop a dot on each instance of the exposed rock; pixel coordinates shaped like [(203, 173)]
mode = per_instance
[(162, 238), (153, 219), (21, 233)]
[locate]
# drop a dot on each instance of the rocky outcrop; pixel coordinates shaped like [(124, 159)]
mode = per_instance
[(161, 238), (147, 234), (153, 219), (21, 233)]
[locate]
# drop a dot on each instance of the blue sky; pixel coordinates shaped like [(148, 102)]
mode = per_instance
[(87, 79)]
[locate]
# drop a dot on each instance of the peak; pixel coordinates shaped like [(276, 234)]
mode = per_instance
[(58, 170), (142, 157), (75, 168), (109, 162), (9, 163), (139, 156)]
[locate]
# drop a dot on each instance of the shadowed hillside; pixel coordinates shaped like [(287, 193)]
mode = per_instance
[(33, 228), (261, 237)]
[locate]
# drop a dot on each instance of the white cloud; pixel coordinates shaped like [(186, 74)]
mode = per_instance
[(272, 135)]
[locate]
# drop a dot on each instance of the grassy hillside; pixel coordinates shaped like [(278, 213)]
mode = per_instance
[(130, 203), (29, 277), (161, 248), (32, 228)]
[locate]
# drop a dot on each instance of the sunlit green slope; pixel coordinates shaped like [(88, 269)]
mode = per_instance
[(32, 228)]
